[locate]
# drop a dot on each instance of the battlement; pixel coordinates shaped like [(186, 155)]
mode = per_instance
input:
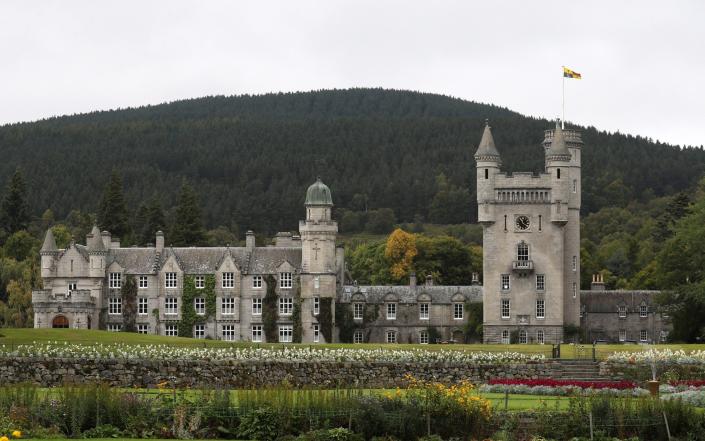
[(523, 196), (573, 138), (46, 296)]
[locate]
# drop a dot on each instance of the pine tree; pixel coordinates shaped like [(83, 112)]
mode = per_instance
[(112, 214), (188, 225), (15, 214), (155, 220)]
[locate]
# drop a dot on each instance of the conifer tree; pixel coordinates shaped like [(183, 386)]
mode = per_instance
[(155, 219), (188, 224), (15, 214), (112, 214)]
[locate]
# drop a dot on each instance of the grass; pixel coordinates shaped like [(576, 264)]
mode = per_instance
[(14, 336)]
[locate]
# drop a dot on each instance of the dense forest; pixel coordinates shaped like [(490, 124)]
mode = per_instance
[(389, 156)]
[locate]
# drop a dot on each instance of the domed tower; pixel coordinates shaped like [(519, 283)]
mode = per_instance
[(318, 262)]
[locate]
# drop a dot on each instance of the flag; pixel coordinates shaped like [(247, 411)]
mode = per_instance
[(571, 74)]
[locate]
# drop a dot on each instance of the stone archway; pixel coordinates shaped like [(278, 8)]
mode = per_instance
[(60, 321)]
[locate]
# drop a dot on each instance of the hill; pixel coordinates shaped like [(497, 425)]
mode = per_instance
[(251, 157)]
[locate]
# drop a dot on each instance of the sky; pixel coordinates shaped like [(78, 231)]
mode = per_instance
[(642, 62)]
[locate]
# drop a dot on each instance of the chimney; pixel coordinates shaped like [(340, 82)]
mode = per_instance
[(475, 279), (412, 279), (598, 283), (249, 239), (429, 280), (160, 242), (105, 235)]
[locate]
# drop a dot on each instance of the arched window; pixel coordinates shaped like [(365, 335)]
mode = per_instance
[(522, 251)]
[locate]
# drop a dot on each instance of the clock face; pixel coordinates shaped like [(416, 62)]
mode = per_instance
[(523, 222)]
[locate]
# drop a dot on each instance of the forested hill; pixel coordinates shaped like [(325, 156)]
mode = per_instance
[(251, 158)]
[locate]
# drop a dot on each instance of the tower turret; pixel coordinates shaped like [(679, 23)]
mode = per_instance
[(96, 253), (488, 163), (49, 253)]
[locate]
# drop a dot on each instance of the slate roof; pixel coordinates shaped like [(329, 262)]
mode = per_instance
[(49, 244), (266, 260), (558, 148), (409, 294), (133, 260), (610, 300), (487, 147)]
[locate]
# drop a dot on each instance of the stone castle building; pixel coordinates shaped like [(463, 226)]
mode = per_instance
[(531, 271)]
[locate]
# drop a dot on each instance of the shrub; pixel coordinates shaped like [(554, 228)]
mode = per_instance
[(262, 424), (338, 434), (103, 431)]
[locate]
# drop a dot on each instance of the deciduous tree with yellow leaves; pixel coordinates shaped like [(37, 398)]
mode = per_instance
[(400, 251)]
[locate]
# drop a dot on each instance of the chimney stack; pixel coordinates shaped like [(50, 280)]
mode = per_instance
[(598, 283), (429, 280), (107, 240), (160, 242), (412, 279), (250, 240), (475, 279)]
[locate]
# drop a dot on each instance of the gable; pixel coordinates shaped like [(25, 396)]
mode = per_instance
[(72, 263)]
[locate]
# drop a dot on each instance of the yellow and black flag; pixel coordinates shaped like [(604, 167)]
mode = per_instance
[(567, 73)]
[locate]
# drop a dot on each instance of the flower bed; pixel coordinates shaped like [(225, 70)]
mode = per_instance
[(294, 354), (659, 356), (547, 386), (692, 397), (566, 383)]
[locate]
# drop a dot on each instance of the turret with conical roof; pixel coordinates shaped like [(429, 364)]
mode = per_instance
[(488, 162), (94, 241), (558, 149), (49, 245), (49, 253), (487, 151)]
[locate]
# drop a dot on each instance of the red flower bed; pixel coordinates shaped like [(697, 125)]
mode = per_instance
[(693, 383), (623, 384)]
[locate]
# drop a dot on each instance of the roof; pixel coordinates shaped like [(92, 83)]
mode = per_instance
[(487, 149), (558, 148), (410, 294), (49, 244), (610, 300), (133, 260), (266, 260), (318, 194), (94, 241)]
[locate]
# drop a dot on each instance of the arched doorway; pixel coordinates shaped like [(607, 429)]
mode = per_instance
[(458, 336), (60, 321)]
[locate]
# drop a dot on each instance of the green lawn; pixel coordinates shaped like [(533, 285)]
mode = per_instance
[(14, 336)]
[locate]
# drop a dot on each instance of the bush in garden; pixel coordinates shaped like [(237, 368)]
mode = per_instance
[(338, 434), (262, 424), (102, 431)]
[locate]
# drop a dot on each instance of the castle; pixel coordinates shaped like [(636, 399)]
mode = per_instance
[(530, 291)]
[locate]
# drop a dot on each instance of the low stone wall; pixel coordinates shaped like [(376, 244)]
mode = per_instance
[(187, 373), (642, 371)]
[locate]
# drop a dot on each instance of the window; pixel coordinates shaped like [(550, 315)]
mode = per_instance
[(142, 306), (540, 223), (391, 311), (114, 306), (423, 311), (170, 280), (114, 327), (316, 334), (285, 280), (540, 339), (540, 309), (523, 251), (143, 284), (228, 332), (575, 263), (357, 337), (199, 305), (142, 328), (522, 337), (505, 336), (423, 337), (171, 306), (228, 280), (199, 331), (622, 311), (622, 335), (286, 305), (505, 309), (316, 305), (487, 173), (457, 311), (643, 335), (316, 282), (358, 310), (505, 282), (171, 330), (391, 336), (540, 282), (643, 311), (115, 280), (575, 185), (257, 282), (664, 336), (199, 282), (256, 306), (558, 173), (227, 305), (72, 286), (257, 333), (286, 333), (575, 290)]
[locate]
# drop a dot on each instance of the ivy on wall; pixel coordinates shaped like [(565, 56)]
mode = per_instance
[(296, 313), (189, 318), (346, 323), (325, 319), (269, 310), (128, 292)]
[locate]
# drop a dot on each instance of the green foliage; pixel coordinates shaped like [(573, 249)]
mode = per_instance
[(21, 246), (451, 204), (473, 326), (344, 322), (433, 335), (150, 219), (270, 310), (189, 318), (128, 292), (188, 224), (338, 434), (262, 424), (296, 313), (14, 213), (325, 319), (112, 212)]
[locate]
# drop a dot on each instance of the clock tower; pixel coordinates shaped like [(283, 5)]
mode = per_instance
[(531, 241)]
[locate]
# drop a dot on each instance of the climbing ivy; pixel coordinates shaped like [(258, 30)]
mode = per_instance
[(269, 310), (189, 318), (325, 318), (296, 313), (345, 322), (129, 304)]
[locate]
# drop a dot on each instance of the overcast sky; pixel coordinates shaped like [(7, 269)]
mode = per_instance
[(643, 62)]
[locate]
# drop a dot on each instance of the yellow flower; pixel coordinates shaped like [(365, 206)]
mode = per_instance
[(4, 438), (17, 434)]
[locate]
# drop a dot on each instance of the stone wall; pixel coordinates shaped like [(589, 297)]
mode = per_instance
[(185, 373), (642, 372)]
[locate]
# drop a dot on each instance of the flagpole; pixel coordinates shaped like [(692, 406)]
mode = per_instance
[(563, 101)]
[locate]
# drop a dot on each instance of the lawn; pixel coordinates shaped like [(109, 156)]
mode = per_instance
[(14, 336)]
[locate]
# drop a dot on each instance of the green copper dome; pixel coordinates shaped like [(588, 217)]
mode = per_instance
[(318, 194)]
